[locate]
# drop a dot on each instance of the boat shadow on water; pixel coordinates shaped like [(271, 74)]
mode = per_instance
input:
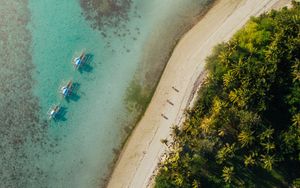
[(87, 64), (60, 116), (74, 95)]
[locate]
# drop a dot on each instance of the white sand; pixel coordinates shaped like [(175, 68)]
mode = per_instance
[(143, 149)]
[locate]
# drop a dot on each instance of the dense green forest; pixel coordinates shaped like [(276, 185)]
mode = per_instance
[(244, 130)]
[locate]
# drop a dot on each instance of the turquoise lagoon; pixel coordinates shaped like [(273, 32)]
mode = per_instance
[(79, 148)]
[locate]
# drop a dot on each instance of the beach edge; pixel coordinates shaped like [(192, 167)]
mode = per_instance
[(154, 124)]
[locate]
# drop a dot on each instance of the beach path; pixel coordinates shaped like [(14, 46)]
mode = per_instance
[(143, 150)]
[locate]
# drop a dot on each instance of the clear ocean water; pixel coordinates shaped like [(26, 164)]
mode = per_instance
[(39, 39)]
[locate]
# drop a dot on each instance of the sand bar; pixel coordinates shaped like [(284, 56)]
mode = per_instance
[(143, 149)]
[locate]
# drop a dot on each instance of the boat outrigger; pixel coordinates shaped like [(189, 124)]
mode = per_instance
[(54, 111), (66, 90), (79, 61)]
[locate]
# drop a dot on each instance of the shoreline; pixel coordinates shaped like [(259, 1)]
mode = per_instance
[(148, 88), (143, 149)]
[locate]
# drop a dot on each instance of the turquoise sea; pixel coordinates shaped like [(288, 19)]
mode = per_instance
[(128, 42)]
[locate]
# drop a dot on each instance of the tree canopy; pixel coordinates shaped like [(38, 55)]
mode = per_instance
[(244, 130)]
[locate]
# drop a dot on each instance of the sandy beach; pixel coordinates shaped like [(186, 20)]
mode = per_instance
[(175, 90)]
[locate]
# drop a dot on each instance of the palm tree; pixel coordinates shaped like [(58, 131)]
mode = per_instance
[(221, 132), (237, 96), (268, 161), (246, 138), (249, 160), (248, 118), (296, 71), (296, 120), (226, 152), (217, 106), (195, 184), (267, 134), (269, 146), (228, 78), (178, 180), (227, 174), (206, 125), (233, 96)]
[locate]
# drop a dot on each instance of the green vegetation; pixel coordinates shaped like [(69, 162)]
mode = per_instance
[(244, 130)]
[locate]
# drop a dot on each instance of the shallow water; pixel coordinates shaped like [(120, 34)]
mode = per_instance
[(38, 41)]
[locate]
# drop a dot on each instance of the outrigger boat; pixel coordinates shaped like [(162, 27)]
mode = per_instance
[(67, 89), (54, 111), (79, 61)]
